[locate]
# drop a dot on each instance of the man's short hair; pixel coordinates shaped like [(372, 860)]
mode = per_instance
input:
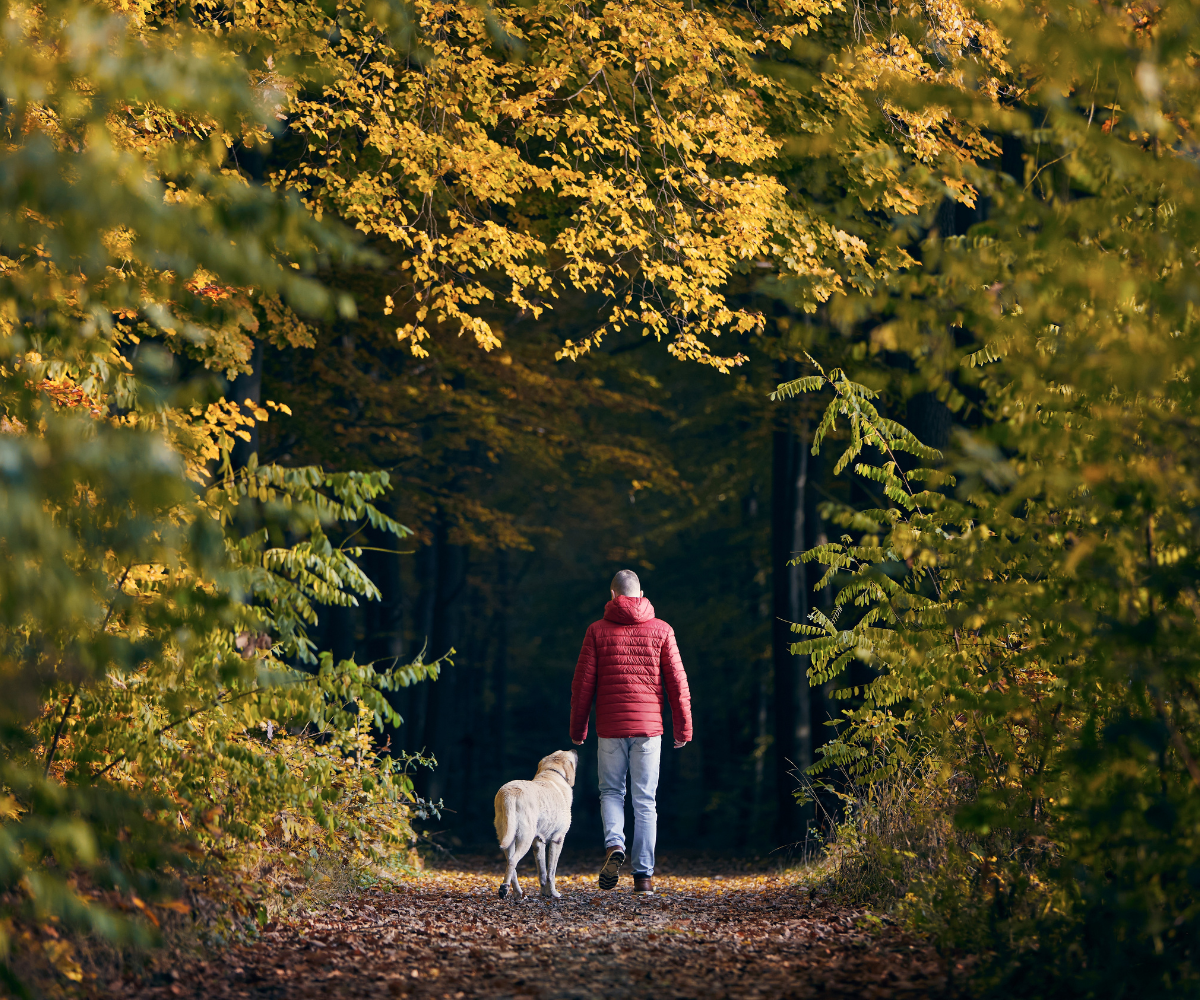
[(626, 583)]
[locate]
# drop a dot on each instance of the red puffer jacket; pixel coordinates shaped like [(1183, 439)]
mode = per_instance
[(625, 660)]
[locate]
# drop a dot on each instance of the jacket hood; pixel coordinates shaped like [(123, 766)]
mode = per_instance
[(629, 610)]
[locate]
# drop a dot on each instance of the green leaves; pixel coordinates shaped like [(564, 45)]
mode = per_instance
[(155, 603), (867, 426), (289, 583), (116, 201), (1030, 611)]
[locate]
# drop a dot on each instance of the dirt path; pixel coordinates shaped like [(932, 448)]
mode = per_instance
[(446, 936)]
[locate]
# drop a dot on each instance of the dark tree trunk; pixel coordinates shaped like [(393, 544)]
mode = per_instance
[(339, 638), (822, 705), (785, 685), (385, 617), (470, 721), (761, 729), (500, 668), (798, 596), (1012, 158), (440, 735), (930, 420), (815, 535), (416, 736), (793, 717)]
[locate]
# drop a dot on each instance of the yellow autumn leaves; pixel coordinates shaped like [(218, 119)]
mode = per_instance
[(631, 153), (640, 155)]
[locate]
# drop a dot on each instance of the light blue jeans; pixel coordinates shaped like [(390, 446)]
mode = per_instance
[(638, 757)]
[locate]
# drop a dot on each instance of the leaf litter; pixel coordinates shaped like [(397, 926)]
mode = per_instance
[(445, 935)]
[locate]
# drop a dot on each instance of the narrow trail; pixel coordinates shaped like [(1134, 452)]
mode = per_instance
[(446, 936)]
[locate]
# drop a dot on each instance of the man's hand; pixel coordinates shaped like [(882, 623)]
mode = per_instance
[(578, 743), (680, 744)]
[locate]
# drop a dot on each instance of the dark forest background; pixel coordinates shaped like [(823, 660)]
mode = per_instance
[(529, 482)]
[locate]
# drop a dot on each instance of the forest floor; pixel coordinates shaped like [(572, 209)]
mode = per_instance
[(713, 930)]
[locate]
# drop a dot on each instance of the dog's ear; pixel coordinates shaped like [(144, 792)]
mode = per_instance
[(571, 762)]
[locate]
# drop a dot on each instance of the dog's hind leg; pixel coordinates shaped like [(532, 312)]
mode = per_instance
[(548, 888), (515, 852), (539, 849), (510, 871)]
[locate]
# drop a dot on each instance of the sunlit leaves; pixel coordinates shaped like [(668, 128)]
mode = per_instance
[(1032, 611), (626, 153), (136, 563)]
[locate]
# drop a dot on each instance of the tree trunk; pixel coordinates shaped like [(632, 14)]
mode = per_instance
[(416, 735), (930, 420), (385, 617), (762, 723), (440, 718), (341, 631), (798, 597), (820, 698), (783, 544), (500, 668)]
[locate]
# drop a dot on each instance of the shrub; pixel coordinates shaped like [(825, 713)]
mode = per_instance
[(1027, 604), (164, 708), (1060, 694)]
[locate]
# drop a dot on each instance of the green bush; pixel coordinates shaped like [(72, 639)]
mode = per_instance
[(1038, 634), (164, 708), (1027, 605)]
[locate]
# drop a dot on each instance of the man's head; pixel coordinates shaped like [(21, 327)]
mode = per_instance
[(625, 584)]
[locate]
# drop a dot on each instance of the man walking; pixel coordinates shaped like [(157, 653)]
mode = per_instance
[(626, 659)]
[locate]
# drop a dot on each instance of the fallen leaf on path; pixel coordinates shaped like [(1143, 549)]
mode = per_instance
[(446, 936)]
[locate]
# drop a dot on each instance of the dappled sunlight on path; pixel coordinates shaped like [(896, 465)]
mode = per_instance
[(447, 935)]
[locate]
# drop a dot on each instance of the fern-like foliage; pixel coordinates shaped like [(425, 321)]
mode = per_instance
[(1032, 621)]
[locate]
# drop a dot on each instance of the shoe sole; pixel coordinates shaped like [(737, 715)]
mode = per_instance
[(611, 871)]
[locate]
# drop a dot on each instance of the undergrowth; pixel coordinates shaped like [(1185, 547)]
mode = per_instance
[(998, 905), (217, 904), (232, 890)]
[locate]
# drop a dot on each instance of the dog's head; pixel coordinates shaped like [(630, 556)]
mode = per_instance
[(563, 762)]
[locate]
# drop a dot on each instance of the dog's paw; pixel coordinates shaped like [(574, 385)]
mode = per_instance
[(551, 894), (502, 891)]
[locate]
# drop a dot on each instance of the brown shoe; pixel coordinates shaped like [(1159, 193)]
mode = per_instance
[(643, 885)]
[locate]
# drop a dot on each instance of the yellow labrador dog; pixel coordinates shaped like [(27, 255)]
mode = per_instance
[(536, 812)]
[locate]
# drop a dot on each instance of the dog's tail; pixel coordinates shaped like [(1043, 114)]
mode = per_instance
[(506, 817)]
